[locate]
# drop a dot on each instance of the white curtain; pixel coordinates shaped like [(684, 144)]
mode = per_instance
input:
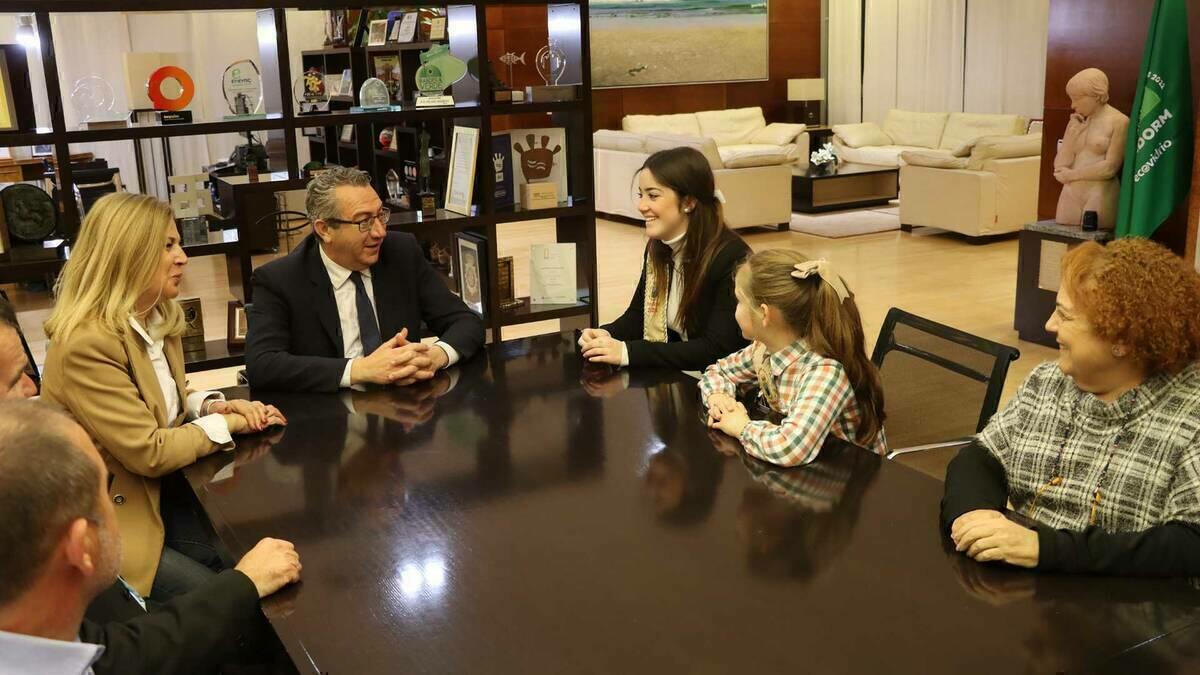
[(844, 49), (913, 56), (1006, 56)]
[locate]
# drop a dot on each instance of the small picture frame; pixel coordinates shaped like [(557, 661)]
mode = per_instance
[(347, 134), (43, 150), (437, 28), (460, 183), (237, 327), (471, 258), (378, 33), (311, 132), (347, 84)]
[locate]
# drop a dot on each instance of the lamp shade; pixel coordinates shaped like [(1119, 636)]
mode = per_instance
[(812, 89)]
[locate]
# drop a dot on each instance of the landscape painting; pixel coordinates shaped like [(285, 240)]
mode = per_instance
[(638, 43)]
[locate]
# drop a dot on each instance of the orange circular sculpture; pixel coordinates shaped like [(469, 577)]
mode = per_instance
[(155, 83)]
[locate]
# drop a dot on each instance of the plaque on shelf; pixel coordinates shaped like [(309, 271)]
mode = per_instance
[(29, 212), (311, 95), (193, 230), (504, 282), (193, 326), (347, 88), (374, 95), (552, 274), (378, 33), (439, 69), (406, 28), (460, 183), (93, 98), (502, 165), (237, 326), (242, 86), (387, 68), (553, 93), (472, 270), (539, 196), (437, 28), (542, 159)]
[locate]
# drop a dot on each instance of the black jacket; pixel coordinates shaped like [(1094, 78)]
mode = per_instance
[(294, 341), (193, 633), (712, 331)]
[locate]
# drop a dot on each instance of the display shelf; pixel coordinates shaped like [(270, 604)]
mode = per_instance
[(216, 354), (541, 107), (529, 313)]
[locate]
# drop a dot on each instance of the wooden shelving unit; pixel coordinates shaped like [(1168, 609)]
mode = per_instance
[(468, 39)]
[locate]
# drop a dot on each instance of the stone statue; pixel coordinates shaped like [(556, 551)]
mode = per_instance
[(1088, 163)]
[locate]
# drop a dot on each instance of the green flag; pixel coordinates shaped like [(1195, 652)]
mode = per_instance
[(1158, 154)]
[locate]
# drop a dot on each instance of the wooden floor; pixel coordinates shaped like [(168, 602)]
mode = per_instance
[(938, 276)]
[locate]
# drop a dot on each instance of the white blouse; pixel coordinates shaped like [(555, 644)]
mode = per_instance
[(214, 425)]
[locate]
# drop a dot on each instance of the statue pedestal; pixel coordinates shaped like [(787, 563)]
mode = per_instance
[(1041, 248)]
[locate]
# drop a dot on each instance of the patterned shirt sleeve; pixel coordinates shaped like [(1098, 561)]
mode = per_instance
[(725, 375), (819, 394), (1000, 433), (1183, 499)]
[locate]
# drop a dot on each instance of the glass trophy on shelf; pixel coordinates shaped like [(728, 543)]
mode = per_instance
[(439, 69), (335, 28), (242, 86), (373, 95), (311, 95), (551, 64), (93, 99)]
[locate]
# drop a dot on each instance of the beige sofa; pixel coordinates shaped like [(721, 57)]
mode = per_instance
[(951, 133), (991, 191), (751, 160)]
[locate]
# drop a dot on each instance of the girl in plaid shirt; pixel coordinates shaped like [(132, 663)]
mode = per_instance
[(807, 357)]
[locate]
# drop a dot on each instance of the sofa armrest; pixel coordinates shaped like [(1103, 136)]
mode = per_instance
[(1016, 190), (803, 148), (958, 200)]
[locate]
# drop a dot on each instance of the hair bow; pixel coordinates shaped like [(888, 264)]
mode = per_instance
[(824, 269)]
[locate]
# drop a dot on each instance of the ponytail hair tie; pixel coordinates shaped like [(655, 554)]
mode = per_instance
[(823, 269)]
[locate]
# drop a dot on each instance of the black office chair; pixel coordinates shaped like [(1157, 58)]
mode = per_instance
[(940, 385)]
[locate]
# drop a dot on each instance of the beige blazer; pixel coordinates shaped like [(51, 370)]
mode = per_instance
[(108, 383)]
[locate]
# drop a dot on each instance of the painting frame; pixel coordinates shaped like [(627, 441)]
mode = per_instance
[(732, 45), (471, 262)]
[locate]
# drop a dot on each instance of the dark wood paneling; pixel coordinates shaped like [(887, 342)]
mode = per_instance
[(1109, 35), (794, 51)]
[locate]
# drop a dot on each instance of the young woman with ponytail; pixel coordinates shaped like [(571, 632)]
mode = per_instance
[(808, 359), (681, 315)]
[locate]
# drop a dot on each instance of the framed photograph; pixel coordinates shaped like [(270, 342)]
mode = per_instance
[(347, 134), (43, 150), (311, 132), (378, 34), (460, 183), (236, 335), (387, 68), (471, 252), (437, 28)]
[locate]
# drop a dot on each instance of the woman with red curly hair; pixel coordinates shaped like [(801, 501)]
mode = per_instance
[(1100, 449)]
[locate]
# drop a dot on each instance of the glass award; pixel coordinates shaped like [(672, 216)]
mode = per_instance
[(374, 94), (93, 98), (439, 69), (242, 86), (551, 63)]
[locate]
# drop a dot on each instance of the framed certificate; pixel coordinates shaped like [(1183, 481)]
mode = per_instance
[(460, 183), (472, 254)]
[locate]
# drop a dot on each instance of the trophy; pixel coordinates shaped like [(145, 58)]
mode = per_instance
[(242, 86), (170, 90), (551, 64), (397, 196), (373, 95), (93, 100), (311, 94), (439, 69), (335, 28), (426, 197)]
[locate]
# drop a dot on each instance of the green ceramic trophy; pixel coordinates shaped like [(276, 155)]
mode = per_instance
[(439, 69)]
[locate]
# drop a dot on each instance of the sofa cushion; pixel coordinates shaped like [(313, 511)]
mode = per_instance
[(706, 146), (914, 128), (731, 127), (861, 135), (742, 156), (625, 141), (684, 123), (777, 133), (964, 127), (937, 159), (881, 155), (1003, 147)]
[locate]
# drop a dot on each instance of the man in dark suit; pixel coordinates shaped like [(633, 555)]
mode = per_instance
[(62, 550), (346, 306)]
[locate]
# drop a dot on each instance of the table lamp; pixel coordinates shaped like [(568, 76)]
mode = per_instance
[(807, 94)]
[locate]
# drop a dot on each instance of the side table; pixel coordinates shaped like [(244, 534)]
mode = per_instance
[(1041, 247)]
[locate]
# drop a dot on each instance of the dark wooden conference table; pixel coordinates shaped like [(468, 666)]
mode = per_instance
[(541, 516)]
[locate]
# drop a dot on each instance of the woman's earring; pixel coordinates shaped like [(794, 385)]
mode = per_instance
[(1118, 351)]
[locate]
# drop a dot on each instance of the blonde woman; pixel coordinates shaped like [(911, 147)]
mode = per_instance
[(115, 361)]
